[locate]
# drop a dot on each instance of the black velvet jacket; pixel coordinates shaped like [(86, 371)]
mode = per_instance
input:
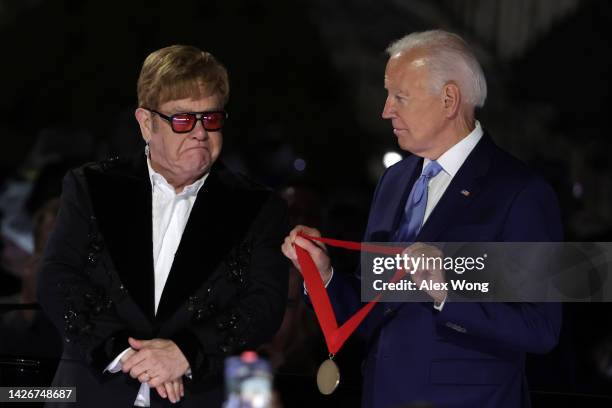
[(226, 291)]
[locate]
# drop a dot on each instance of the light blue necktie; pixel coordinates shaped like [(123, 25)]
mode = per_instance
[(414, 211)]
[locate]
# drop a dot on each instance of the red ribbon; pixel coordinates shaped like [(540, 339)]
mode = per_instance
[(336, 336)]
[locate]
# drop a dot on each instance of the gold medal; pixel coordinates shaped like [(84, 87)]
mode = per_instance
[(328, 377)]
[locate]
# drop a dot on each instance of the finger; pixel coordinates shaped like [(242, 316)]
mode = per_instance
[(429, 250), (294, 233), (133, 360), (127, 355), (182, 388), (134, 343), (309, 231), (144, 377), (320, 245), (170, 391), (410, 250), (158, 380), (137, 344), (161, 390), (177, 388), (313, 232), (313, 250), (288, 249), (304, 230), (318, 254), (140, 369), (156, 343)]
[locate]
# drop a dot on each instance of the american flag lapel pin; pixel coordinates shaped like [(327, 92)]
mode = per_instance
[(465, 193)]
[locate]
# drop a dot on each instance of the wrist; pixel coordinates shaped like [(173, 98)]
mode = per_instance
[(327, 276), (439, 297)]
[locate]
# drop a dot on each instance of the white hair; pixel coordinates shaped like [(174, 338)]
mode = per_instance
[(449, 59)]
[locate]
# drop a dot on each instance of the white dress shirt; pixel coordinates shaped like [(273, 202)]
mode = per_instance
[(170, 214), (450, 161)]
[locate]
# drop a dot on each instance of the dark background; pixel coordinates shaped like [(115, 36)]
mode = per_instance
[(306, 97), (306, 83)]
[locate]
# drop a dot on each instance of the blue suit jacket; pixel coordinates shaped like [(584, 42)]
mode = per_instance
[(469, 354)]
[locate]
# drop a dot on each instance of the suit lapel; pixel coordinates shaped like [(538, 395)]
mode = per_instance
[(203, 242), (219, 220), (461, 192), (121, 199)]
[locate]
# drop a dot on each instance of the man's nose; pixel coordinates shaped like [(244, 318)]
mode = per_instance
[(199, 132), (389, 109)]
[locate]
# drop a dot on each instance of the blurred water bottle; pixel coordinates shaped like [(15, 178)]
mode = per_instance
[(248, 381)]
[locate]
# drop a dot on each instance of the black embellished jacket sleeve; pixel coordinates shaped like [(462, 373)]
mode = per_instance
[(77, 300)]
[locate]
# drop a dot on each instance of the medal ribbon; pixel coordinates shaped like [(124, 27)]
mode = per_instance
[(336, 336)]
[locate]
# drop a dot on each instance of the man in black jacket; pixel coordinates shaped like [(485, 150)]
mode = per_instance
[(160, 268)]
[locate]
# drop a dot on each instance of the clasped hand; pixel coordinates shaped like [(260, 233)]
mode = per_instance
[(435, 282), (159, 363)]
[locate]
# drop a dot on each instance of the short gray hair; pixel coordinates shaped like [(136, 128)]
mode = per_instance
[(450, 58)]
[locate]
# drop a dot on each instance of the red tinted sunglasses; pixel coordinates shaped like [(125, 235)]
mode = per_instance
[(212, 121)]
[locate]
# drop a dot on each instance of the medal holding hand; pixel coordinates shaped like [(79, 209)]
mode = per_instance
[(305, 248), (426, 275), (317, 250), (328, 375)]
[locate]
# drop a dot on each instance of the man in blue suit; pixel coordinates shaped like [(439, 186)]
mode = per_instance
[(456, 186)]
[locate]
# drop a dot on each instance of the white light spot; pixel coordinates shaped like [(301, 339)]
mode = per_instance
[(390, 158)]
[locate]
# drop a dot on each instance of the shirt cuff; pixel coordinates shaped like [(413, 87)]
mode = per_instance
[(331, 276), (115, 365), (439, 305)]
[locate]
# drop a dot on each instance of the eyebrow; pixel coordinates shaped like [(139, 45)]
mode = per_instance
[(397, 91)]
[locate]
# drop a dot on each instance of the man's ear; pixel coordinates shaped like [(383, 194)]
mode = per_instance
[(451, 99), (145, 121)]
